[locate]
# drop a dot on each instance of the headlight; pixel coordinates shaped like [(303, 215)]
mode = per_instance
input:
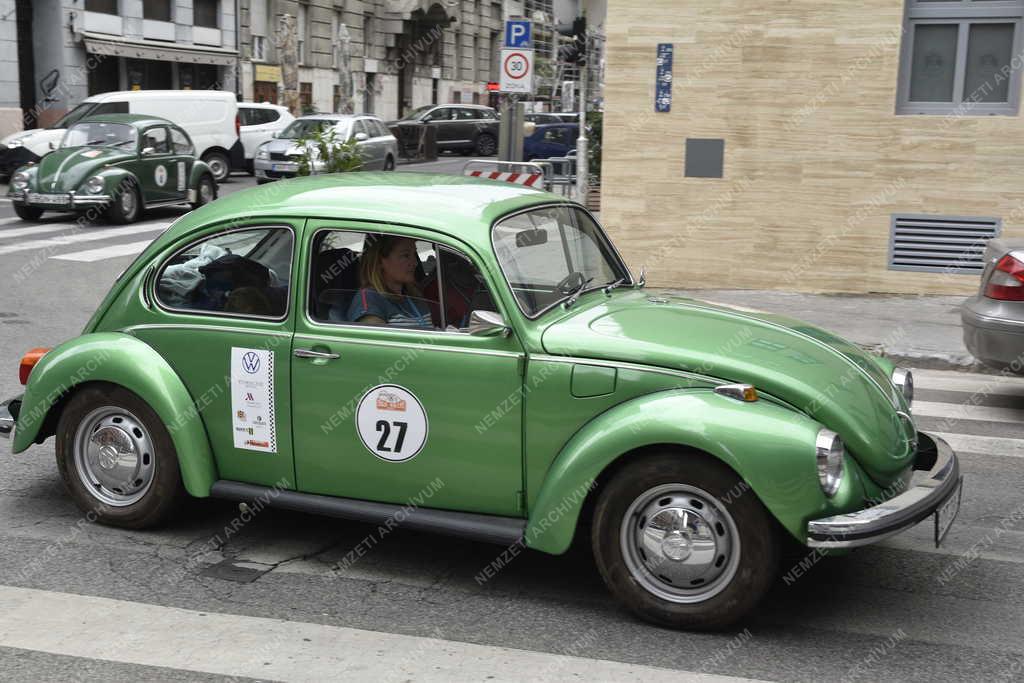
[(94, 185), (262, 154), (19, 181), (904, 381), (14, 143), (830, 452)]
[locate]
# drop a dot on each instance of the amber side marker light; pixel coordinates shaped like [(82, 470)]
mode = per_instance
[(28, 361), (740, 392)]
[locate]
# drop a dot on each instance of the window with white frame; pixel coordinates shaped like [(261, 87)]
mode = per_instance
[(961, 57), (258, 28)]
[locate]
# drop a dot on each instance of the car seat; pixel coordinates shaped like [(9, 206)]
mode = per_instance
[(336, 281)]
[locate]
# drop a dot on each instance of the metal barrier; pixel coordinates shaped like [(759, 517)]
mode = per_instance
[(557, 174)]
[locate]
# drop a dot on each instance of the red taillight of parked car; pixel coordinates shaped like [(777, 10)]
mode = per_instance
[(1007, 280), (28, 361), (238, 124)]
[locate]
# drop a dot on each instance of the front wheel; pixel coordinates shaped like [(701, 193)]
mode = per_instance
[(682, 541), (206, 192), (126, 206), (117, 458), (220, 165), (27, 213)]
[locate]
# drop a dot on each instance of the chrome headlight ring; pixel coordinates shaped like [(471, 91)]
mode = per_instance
[(262, 154), (830, 453), (19, 181), (903, 380), (94, 185)]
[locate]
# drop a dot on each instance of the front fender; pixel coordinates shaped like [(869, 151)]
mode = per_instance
[(112, 178), (769, 446), (123, 360), (199, 169)]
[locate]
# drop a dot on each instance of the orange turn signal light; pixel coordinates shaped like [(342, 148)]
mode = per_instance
[(740, 392), (28, 361)]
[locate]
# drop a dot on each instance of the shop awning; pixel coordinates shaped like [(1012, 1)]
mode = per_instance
[(100, 44)]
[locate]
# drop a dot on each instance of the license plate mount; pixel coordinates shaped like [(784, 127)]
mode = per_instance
[(946, 513), (48, 199)]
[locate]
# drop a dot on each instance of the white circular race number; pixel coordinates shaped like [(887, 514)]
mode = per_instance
[(391, 423), (160, 175)]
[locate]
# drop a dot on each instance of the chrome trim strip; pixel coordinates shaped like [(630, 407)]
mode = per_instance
[(899, 513), (217, 328), (407, 345), (627, 366)]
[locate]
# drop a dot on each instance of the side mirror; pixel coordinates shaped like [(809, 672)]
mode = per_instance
[(146, 151), (362, 137), (52, 146), (533, 237), (488, 324)]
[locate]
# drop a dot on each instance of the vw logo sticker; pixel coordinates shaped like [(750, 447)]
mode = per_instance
[(251, 363), (392, 423)]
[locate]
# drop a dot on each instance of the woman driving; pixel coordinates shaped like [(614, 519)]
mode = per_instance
[(387, 274)]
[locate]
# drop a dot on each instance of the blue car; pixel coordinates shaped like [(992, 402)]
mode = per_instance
[(550, 140)]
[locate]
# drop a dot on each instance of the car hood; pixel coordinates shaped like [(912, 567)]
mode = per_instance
[(282, 146), (824, 376), (64, 169), (36, 140)]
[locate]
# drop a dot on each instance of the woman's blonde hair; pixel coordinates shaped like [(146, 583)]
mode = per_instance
[(371, 270)]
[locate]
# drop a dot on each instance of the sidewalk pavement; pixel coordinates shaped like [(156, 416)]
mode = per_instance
[(912, 330)]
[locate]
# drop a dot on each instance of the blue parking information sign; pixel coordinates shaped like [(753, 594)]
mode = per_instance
[(518, 34), (663, 79)]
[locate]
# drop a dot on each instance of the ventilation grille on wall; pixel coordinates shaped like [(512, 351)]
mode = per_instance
[(943, 244)]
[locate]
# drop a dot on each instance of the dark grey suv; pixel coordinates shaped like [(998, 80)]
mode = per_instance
[(466, 128)]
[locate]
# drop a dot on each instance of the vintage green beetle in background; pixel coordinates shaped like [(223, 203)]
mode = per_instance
[(117, 165), (356, 339)]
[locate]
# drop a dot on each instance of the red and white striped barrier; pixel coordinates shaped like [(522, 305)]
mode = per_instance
[(529, 179)]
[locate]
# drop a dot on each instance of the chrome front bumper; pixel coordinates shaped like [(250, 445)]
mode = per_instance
[(74, 201), (9, 416), (900, 512)]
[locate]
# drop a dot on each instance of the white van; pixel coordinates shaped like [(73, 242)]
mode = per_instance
[(210, 117)]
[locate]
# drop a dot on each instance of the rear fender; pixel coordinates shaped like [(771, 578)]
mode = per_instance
[(770, 447), (123, 360)]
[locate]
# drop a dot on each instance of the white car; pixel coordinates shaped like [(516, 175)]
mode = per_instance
[(210, 117), (260, 122)]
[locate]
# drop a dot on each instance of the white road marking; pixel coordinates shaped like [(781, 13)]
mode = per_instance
[(114, 251), (983, 445), (951, 380), (955, 412), (86, 235), (235, 645), (39, 229), (8, 221)]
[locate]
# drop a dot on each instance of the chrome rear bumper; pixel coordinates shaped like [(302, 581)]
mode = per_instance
[(900, 512), (9, 416)]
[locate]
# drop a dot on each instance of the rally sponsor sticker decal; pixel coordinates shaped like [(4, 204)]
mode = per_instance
[(252, 399), (391, 423), (160, 175)]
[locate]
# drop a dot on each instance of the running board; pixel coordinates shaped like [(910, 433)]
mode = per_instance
[(487, 528)]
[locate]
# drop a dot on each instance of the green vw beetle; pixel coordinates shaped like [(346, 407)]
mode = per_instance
[(474, 358), (117, 165)]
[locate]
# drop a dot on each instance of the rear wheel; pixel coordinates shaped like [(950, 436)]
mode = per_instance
[(681, 541), (117, 458), (206, 192), (126, 206), (220, 165), (27, 213), (486, 145)]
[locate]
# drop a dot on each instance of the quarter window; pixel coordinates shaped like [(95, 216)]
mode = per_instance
[(181, 143), (242, 273), (959, 57), (156, 139)]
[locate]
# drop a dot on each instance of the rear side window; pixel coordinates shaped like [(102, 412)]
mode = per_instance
[(466, 114), (269, 115), (180, 142), (242, 273), (247, 116), (156, 138), (360, 127), (109, 108)]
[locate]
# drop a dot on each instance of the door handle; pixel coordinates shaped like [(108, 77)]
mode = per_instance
[(310, 353)]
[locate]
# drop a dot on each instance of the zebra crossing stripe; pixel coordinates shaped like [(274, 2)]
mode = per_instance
[(115, 251), (83, 235)]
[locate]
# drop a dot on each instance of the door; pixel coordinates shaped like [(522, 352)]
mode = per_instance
[(184, 157), (387, 405), (258, 126), (441, 120), (158, 168), (369, 148)]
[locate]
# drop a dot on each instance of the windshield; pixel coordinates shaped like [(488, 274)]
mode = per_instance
[(76, 114), (303, 128), (99, 134), (552, 253), (418, 112)]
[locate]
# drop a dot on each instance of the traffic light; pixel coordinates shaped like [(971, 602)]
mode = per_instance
[(576, 51)]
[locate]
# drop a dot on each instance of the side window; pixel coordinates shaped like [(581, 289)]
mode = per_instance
[(109, 108), (553, 135), (380, 129), (156, 138), (487, 114), (243, 273), (359, 126), (180, 142), (245, 116), (462, 289), (442, 114), (467, 114), (270, 115)]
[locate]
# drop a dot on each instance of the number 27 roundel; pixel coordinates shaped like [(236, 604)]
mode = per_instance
[(391, 423)]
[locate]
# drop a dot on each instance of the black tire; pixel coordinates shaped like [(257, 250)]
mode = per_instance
[(126, 206), (486, 145), (163, 491), (389, 163), (220, 165), (206, 191), (250, 167), (28, 213), (742, 570)]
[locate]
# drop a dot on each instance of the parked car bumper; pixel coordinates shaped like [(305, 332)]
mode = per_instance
[(11, 158), (942, 484), (9, 410), (994, 331), (273, 170), (61, 200)]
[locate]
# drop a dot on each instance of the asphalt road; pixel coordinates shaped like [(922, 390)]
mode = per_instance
[(275, 598)]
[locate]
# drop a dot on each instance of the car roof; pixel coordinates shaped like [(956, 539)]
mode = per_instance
[(144, 94), (460, 206), (261, 105), (139, 120)]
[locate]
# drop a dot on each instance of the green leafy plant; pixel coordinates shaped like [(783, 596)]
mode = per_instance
[(336, 156), (595, 119)]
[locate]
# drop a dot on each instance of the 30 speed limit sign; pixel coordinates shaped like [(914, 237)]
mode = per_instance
[(516, 70)]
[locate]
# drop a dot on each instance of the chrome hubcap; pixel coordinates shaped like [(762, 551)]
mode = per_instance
[(680, 543), (217, 167), (127, 202), (114, 456), (206, 192)]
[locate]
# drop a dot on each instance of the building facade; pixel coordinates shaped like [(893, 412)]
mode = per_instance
[(85, 47), (819, 146), (376, 56)]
